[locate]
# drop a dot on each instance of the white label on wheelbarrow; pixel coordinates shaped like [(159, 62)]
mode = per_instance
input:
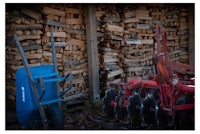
[(23, 94)]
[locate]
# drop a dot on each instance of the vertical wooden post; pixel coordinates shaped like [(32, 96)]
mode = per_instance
[(191, 43), (92, 51)]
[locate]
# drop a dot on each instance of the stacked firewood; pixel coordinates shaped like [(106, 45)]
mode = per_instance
[(172, 27), (139, 43), (183, 35), (27, 25), (125, 39), (67, 24), (75, 53), (33, 26), (54, 21), (110, 47)]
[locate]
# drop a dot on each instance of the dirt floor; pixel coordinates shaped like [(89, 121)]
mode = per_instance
[(78, 115), (81, 115)]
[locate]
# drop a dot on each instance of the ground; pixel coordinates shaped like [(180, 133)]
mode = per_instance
[(82, 115)]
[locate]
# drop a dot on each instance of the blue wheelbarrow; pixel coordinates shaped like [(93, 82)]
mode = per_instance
[(38, 93)]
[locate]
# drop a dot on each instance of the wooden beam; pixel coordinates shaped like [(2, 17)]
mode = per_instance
[(191, 43), (92, 51)]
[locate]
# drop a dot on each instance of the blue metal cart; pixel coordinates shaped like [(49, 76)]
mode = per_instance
[(38, 93)]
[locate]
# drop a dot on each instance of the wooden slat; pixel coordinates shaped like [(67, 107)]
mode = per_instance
[(55, 23), (59, 44), (57, 34), (25, 27)]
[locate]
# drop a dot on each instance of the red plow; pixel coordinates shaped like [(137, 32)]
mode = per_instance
[(168, 96)]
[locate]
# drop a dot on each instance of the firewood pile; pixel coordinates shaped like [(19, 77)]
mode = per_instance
[(139, 43), (33, 26), (125, 39), (109, 46), (29, 30), (75, 53), (183, 35)]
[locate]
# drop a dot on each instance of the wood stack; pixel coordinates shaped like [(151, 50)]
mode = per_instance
[(75, 53), (139, 43), (33, 26), (54, 20), (183, 35), (172, 27), (109, 47), (27, 24), (125, 38), (100, 12)]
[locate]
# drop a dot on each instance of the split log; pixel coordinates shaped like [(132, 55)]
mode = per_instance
[(73, 11), (33, 14), (114, 73), (32, 47), (114, 28), (130, 14), (131, 20), (25, 27), (52, 11), (143, 26), (74, 21), (109, 19), (18, 67), (28, 37)]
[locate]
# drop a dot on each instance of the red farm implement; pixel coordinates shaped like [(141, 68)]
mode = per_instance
[(166, 97)]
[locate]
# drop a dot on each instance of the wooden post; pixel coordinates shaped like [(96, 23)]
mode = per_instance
[(191, 44), (92, 54)]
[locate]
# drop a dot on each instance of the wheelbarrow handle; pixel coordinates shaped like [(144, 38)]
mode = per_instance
[(23, 56)]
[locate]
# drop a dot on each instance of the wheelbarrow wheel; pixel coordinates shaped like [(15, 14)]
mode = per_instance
[(55, 117)]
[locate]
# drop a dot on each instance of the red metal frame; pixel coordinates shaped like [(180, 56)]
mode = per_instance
[(170, 86)]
